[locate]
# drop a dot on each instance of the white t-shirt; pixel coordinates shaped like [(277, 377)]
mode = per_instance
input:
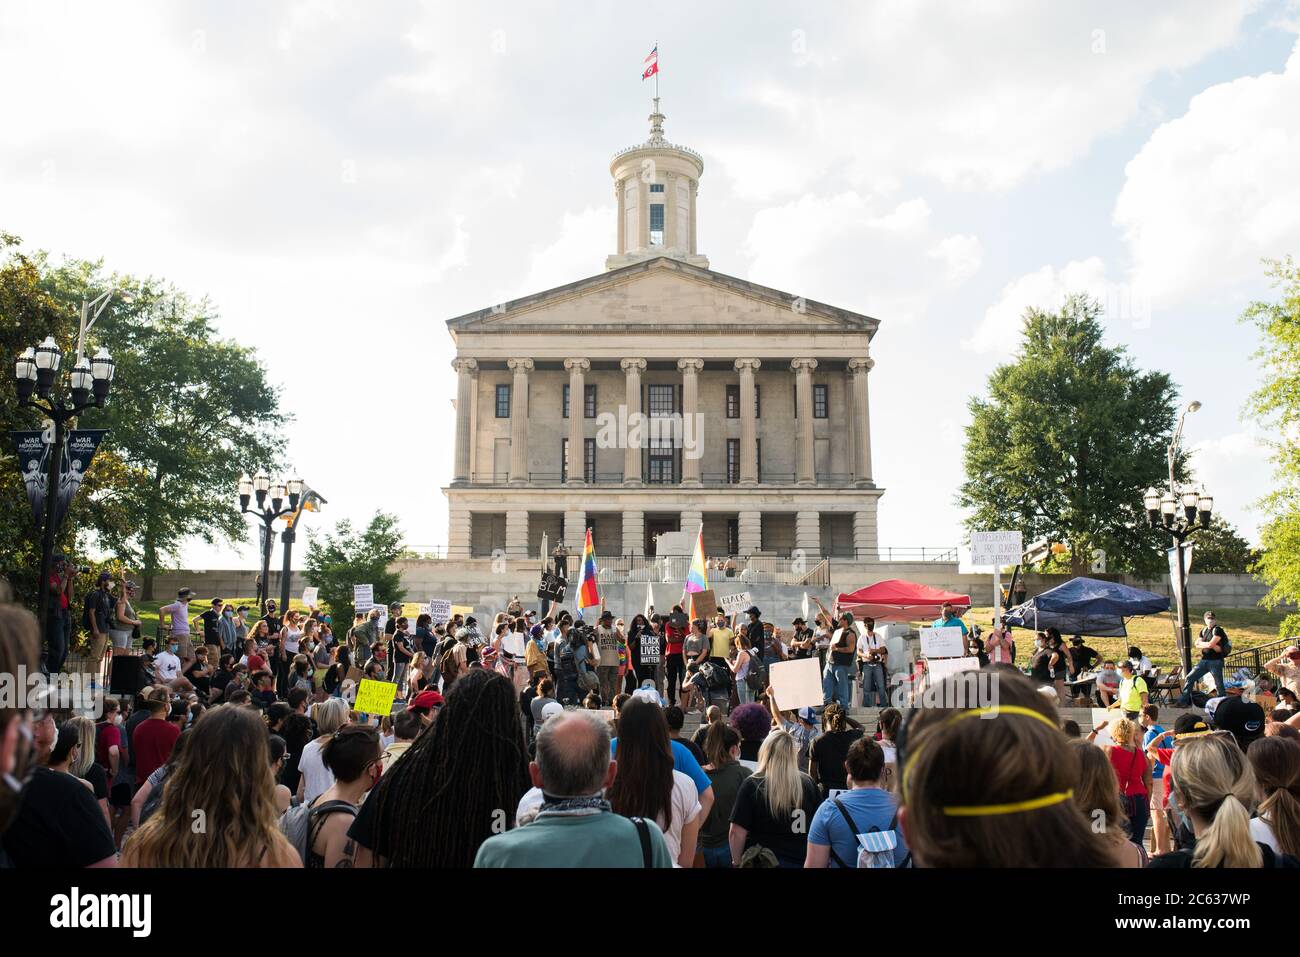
[(1262, 832), (167, 665), (317, 779), (867, 642)]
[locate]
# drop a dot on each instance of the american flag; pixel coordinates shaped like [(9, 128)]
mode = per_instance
[(651, 63)]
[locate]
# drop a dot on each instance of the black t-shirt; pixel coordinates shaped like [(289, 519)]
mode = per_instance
[(402, 655), (273, 624), (201, 683), (98, 779), (647, 650), (787, 835), (211, 634), (757, 637), (1209, 653), (829, 751), (99, 606), (1183, 859), (137, 718), (428, 641), (221, 679), (59, 824)]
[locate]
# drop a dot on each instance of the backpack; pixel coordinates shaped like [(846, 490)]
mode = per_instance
[(715, 677), (756, 677), (301, 823), (875, 847)]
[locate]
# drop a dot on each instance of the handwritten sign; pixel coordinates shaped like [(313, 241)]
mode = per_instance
[(310, 596), (1110, 716), (704, 604), (439, 610), (375, 697), (942, 643), (735, 604), (363, 597), (995, 549)]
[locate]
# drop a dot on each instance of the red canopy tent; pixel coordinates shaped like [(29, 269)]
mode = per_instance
[(896, 600)]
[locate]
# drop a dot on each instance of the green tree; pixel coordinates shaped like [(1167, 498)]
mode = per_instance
[(1068, 438), (1275, 404), (1222, 550), (345, 557), (188, 412)]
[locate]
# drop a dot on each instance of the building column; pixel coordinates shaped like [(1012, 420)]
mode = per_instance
[(575, 534), (459, 528), (749, 527), (690, 369), (689, 522), (748, 422), (808, 532), (577, 473), (466, 380), (519, 421), (632, 369), (805, 466), (865, 541), (633, 532), (861, 421), (517, 533)]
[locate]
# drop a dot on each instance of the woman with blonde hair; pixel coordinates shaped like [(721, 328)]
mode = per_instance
[(774, 806), (224, 773), (1132, 771), (81, 761), (1215, 786), (1099, 800), (316, 779), (1275, 762)]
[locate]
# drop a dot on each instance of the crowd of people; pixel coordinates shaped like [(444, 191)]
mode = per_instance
[(546, 740)]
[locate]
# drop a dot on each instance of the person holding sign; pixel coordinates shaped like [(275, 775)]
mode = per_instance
[(872, 658), (948, 618)]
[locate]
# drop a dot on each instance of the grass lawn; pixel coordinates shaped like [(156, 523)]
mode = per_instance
[(148, 611), (1154, 634)]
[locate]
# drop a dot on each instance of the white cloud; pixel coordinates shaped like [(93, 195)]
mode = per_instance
[(961, 256), (1045, 288), (579, 249), (1236, 470), (1217, 189)]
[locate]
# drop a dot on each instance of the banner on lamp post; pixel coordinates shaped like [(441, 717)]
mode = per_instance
[(34, 454)]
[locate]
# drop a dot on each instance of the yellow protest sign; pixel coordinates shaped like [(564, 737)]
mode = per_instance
[(375, 697)]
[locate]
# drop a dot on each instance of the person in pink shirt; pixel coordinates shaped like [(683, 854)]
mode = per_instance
[(999, 645)]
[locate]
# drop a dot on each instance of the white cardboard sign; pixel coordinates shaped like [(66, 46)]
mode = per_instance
[(439, 610), (796, 684), (735, 604), (363, 597), (310, 596), (995, 549), (942, 643)]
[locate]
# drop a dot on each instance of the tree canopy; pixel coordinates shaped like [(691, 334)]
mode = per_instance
[(1067, 439), (347, 556)]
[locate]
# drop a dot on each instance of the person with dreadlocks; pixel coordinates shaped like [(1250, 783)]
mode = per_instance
[(457, 784)]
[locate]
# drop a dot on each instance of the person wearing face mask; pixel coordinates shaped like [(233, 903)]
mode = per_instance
[(167, 663), (228, 629), (355, 758)]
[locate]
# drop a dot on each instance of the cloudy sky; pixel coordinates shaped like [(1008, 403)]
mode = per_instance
[(340, 178)]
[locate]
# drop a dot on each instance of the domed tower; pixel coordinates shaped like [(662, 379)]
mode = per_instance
[(655, 186)]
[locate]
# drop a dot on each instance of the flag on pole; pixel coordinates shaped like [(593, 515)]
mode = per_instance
[(588, 593), (805, 607), (649, 600), (697, 578), (651, 64)]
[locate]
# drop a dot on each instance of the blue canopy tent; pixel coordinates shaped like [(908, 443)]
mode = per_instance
[(1087, 606)]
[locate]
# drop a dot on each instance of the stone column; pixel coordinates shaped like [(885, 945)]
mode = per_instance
[(519, 421), (575, 538), (865, 541), (633, 532), (690, 418), (748, 422), (466, 381), (861, 421), (805, 466), (632, 369), (622, 215), (749, 532), (577, 413), (517, 533), (808, 533), (459, 527), (689, 522)]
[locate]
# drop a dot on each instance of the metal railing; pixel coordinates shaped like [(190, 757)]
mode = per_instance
[(907, 554), (813, 571), (825, 479), (1253, 659)]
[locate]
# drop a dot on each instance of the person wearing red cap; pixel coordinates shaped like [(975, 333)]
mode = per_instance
[(425, 705)]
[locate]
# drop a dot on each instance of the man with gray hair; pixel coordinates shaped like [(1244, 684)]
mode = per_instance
[(575, 826)]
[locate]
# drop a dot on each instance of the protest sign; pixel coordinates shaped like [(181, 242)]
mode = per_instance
[(1110, 716), (942, 643), (439, 610), (941, 668), (796, 683), (704, 604), (363, 597), (310, 596), (462, 610), (735, 604), (375, 697), (552, 587), (995, 549)]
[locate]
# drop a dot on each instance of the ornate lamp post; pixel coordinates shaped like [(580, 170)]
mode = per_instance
[(270, 498)]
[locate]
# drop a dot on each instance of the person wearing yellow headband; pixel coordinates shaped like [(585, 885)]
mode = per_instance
[(992, 786)]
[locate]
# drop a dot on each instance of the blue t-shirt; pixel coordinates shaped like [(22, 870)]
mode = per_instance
[(869, 807), (953, 622), (683, 761), (1154, 732)]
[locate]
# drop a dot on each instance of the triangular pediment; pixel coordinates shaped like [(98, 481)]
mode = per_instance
[(661, 293)]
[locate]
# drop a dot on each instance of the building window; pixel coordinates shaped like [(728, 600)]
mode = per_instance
[(503, 400), (733, 536), (733, 401), (661, 456), (758, 405), (656, 224), (588, 463), (656, 187), (661, 401), (821, 401), (564, 405), (733, 461), (589, 402)]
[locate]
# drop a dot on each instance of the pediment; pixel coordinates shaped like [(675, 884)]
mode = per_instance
[(661, 293)]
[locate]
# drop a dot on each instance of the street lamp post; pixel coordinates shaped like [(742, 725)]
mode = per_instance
[(270, 498), (1179, 513), (34, 378)]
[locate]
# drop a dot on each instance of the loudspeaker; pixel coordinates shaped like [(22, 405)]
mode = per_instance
[(127, 675)]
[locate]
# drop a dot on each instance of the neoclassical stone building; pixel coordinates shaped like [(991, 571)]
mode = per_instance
[(703, 398)]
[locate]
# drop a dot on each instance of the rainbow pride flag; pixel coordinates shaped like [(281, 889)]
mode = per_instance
[(697, 579), (588, 593)]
